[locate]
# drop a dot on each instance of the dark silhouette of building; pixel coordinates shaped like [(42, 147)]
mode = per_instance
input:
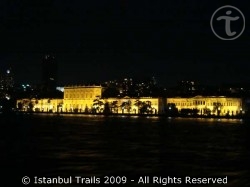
[(49, 73), (9, 80), (6, 83)]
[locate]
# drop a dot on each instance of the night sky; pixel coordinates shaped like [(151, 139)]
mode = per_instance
[(105, 40)]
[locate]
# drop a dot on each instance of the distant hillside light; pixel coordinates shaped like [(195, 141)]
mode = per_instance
[(8, 71)]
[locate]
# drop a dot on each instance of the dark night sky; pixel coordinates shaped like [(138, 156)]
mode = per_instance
[(105, 40)]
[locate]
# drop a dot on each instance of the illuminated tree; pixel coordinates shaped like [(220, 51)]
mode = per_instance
[(207, 111), (106, 108), (86, 110), (217, 107), (146, 107), (139, 105), (126, 106), (114, 106), (31, 106), (97, 105)]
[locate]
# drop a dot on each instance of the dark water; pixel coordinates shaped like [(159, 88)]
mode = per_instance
[(51, 146)]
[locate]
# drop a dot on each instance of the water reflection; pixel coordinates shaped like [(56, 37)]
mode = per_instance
[(133, 146)]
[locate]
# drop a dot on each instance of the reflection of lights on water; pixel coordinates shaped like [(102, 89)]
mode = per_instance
[(134, 116)]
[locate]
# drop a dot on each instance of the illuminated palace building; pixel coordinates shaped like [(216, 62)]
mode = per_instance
[(80, 98), (88, 99), (208, 105)]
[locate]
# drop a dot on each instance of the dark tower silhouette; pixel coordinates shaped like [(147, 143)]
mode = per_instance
[(49, 73), (9, 80)]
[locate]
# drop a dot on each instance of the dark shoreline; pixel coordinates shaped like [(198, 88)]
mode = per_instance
[(120, 115)]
